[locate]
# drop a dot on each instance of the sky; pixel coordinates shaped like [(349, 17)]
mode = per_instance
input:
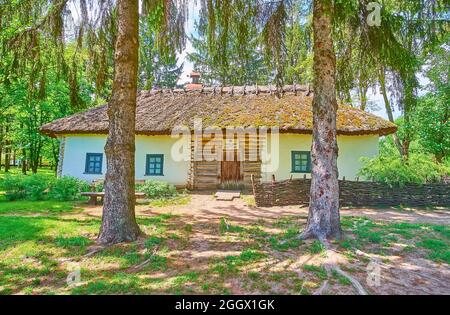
[(188, 67)]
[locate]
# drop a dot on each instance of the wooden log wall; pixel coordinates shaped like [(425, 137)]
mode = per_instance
[(205, 168), (353, 193)]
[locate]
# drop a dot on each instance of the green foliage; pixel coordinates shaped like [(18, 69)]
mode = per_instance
[(431, 116), (32, 187), (432, 125), (394, 170), (40, 187), (14, 187), (67, 188), (157, 189), (157, 68), (99, 186)]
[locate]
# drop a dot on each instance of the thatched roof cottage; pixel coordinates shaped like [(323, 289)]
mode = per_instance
[(261, 154)]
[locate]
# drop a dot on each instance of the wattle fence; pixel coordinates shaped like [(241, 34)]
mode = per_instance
[(353, 193)]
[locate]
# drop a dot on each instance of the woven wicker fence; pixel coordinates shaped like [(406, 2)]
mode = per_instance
[(353, 193)]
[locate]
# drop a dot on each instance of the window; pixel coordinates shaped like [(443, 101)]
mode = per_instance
[(301, 162), (93, 163), (155, 163)]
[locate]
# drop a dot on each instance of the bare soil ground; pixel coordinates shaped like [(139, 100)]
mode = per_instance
[(216, 230)]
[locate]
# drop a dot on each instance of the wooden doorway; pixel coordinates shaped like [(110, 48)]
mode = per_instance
[(231, 171), (230, 165)]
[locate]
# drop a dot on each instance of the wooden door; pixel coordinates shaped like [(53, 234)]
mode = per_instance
[(231, 171)]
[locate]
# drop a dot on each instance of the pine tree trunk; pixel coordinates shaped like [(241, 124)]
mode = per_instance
[(387, 105), (119, 222), (324, 219), (363, 96)]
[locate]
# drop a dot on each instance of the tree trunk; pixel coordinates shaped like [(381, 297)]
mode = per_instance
[(24, 162), (7, 151), (387, 105), (118, 221), (7, 157), (324, 219), (363, 95), (1, 145)]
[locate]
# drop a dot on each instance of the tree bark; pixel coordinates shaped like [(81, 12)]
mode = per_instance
[(324, 219), (363, 96), (118, 221), (7, 151), (24, 162), (1, 145), (387, 105)]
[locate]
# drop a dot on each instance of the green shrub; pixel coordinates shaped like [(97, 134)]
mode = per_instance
[(393, 170), (156, 189), (32, 187), (99, 187), (67, 188), (14, 187), (36, 186)]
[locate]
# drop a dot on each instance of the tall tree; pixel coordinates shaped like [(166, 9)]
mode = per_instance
[(323, 219), (118, 221), (157, 68), (231, 54)]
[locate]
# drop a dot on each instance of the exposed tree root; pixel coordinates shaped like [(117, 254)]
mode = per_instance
[(94, 251), (334, 266), (323, 289), (140, 266), (386, 266), (358, 287)]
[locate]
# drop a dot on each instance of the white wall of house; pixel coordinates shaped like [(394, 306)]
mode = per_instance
[(77, 146), (351, 149)]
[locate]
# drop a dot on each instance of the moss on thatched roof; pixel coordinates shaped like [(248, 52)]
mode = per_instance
[(159, 111)]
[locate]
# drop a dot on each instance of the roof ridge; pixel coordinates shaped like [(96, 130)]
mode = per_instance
[(235, 90)]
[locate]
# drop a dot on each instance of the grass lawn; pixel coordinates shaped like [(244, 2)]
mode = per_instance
[(34, 207), (42, 242), (218, 251), (17, 171)]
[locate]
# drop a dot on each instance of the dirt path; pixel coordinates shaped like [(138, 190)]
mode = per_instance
[(400, 273), (204, 206)]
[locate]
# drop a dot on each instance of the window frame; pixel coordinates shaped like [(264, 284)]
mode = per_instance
[(147, 164), (308, 162), (87, 161)]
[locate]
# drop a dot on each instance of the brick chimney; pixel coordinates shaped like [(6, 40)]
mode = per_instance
[(195, 84)]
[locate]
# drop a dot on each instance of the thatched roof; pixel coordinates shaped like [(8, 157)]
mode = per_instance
[(158, 111)]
